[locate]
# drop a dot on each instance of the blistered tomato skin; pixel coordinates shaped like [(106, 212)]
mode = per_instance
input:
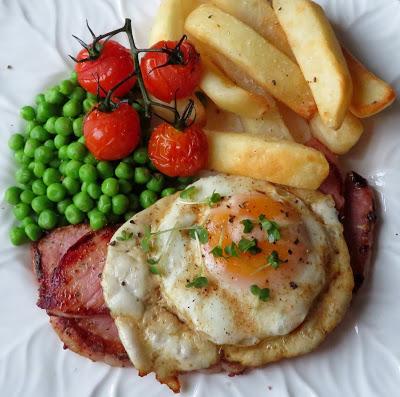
[(167, 82), (178, 153), (112, 135), (114, 64)]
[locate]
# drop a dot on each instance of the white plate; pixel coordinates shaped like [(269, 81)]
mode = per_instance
[(361, 358)]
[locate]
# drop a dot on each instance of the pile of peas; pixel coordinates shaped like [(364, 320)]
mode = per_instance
[(59, 182)]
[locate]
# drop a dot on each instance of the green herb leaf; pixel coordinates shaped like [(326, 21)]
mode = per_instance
[(145, 242), (231, 250), (249, 246), (125, 236), (217, 251), (263, 294), (213, 199), (198, 282), (201, 233), (248, 225), (152, 261), (189, 193), (271, 228), (154, 269), (274, 260)]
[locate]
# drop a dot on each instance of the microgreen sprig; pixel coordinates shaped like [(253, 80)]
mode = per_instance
[(262, 293), (271, 228)]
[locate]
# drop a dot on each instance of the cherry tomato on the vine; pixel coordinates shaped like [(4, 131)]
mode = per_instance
[(178, 153), (112, 135), (173, 75), (114, 64)]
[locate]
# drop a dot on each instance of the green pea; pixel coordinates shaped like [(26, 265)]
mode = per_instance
[(63, 153), (147, 198), (62, 205), (83, 201), (79, 94), (94, 190), (124, 171), (156, 183), (72, 168), (88, 173), (97, 219), (76, 151), (90, 159), (55, 163), (23, 175), (27, 221), (21, 211), (88, 104), (56, 192), (74, 215), (30, 125), (72, 185), (128, 160), (43, 154), (82, 140), (133, 202), (62, 167), (84, 186), (47, 219), (21, 158), (27, 196), (110, 187), (28, 113), (50, 144), (31, 165), (53, 95), (18, 236), (40, 203), (51, 175), (16, 142), (129, 215), (168, 191), (50, 125), (74, 77), (142, 175), (66, 87), (105, 169), (72, 108), (39, 133), (63, 126), (39, 99), (12, 195), (185, 180), (45, 110), (60, 141), (140, 156), (77, 126), (30, 146), (104, 204), (38, 169), (39, 188), (125, 187), (120, 204), (33, 231)]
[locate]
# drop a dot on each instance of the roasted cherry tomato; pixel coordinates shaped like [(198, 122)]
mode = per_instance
[(112, 135), (178, 153), (173, 74), (113, 65)]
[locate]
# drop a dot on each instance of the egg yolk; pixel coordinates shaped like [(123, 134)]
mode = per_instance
[(225, 227)]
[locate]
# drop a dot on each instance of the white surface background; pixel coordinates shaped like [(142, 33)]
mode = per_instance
[(361, 358)]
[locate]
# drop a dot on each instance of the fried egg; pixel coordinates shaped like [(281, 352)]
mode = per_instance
[(234, 268)]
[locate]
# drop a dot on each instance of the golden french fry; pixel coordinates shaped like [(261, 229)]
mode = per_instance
[(227, 95), (260, 16), (319, 55), (371, 95), (170, 19), (283, 162), (338, 141), (254, 56), (199, 113), (221, 120), (269, 125)]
